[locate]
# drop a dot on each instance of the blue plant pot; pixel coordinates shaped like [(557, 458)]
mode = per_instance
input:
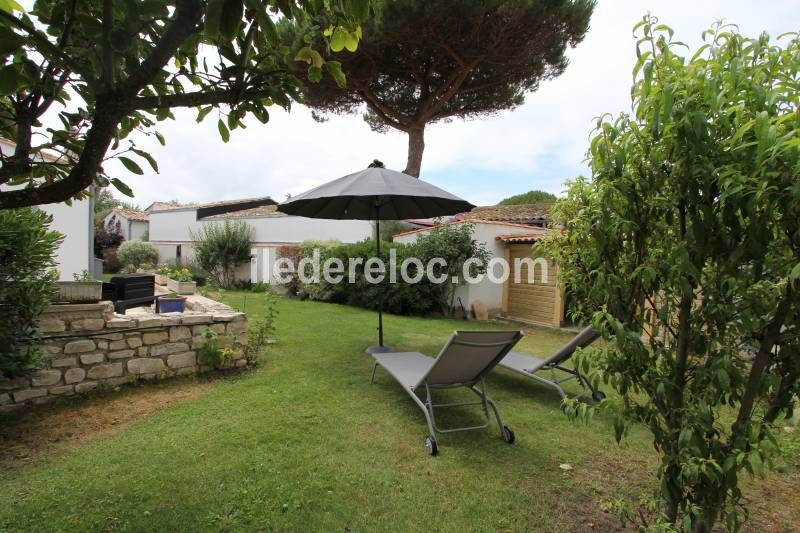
[(171, 305)]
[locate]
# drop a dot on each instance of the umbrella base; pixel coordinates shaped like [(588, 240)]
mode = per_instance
[(379, 349)]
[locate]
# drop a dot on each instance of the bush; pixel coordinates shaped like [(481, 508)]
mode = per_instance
[(104, 239), (135, 253), (220, 248), (454, 243), (111, 264), (27, 282)]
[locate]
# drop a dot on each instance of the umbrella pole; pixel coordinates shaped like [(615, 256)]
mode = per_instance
[(380, 289)]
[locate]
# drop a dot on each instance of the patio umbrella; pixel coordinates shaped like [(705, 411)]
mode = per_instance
[(375, 193)]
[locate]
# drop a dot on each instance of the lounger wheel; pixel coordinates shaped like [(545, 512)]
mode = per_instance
[(431, 447), (598, 396), (507, 434)]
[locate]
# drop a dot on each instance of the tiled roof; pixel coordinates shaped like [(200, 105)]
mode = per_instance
[(131, 214), (492, 222), (522, 213), (164, 206), (262, 211), (516, 238)]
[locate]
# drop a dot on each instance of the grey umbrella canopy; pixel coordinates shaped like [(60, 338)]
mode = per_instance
[(375, 193)]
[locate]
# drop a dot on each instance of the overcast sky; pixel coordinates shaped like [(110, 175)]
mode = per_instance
[(536, 146)]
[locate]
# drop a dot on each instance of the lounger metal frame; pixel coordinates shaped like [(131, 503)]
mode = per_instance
[(554, 362), (477, 386)]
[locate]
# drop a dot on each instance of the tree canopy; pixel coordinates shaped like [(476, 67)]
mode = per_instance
[(684, 250), (530, 197), (420, 61), (79, 77)]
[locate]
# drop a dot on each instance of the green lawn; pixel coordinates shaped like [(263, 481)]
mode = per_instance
[(306, 443)]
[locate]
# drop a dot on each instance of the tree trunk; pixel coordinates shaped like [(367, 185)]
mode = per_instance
[(416, 145)]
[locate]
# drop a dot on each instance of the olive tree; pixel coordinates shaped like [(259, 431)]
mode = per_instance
[(78, 77), (683, 248)]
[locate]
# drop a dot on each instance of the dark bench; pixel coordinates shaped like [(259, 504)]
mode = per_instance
[(131, 290)]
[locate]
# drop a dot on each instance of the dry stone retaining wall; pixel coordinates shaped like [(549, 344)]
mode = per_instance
[(86, 347)]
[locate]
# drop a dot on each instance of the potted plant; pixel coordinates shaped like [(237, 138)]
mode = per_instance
[(180, 281), (85, 289), (162, 274), (171, 303)]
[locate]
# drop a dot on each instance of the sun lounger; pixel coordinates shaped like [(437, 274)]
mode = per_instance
[(530, 366), (463, 362)]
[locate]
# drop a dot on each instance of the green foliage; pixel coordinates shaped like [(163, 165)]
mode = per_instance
[(453, 243), (220, 248), (210, 353), (84, 275), (78, 78), (684, 250), (27, 282), (261, 330), (135, 253), (420, 62), (530, 197)]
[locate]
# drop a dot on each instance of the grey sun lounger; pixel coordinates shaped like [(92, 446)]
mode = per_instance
[(530, 366), (463, 362)]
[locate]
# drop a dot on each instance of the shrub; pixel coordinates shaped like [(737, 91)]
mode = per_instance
[(135, 253), (111, 262), (220, 248), (27, 282), (261, 331), (454, 243), (105, 239)]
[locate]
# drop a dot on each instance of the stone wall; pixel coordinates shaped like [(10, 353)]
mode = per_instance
[(86, 347)]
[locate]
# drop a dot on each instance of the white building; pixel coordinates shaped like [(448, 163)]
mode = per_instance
[(535, 299), (131, 224), (172, 226), (75, 222)]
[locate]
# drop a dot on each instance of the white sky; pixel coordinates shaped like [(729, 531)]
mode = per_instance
[(537, 146)]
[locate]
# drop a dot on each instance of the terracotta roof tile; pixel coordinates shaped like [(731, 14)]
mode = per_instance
[(522, 213), (263, 211), (131, 214)]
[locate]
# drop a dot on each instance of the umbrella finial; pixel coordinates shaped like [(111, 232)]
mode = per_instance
[(376, 164)]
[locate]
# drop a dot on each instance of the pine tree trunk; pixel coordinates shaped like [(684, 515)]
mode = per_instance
[(416, 145)]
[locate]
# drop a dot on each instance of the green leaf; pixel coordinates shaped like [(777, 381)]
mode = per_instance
[(131, 165), (334, 68), (147, 157), (203, 112), (795, 273), (9, 79), (351, 41), (9, 6), (121, 187), (267, 26), (223, 131), (160, 138), (231, 20), (314, 74), (338, 39), (723, 379), (9, 41), (310, 56), (213, 18), (359, 9)]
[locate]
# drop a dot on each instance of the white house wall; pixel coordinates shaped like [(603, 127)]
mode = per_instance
[(76, 223), (173, 227), (488, 292), (138, 230), (77, 250)]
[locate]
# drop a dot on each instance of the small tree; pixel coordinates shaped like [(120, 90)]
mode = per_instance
[(27, 282), (455, 244), (420, 62), (220, 248), (136, 253), (684, 250)]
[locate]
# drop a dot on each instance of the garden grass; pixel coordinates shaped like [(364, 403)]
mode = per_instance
[(305, 442)]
